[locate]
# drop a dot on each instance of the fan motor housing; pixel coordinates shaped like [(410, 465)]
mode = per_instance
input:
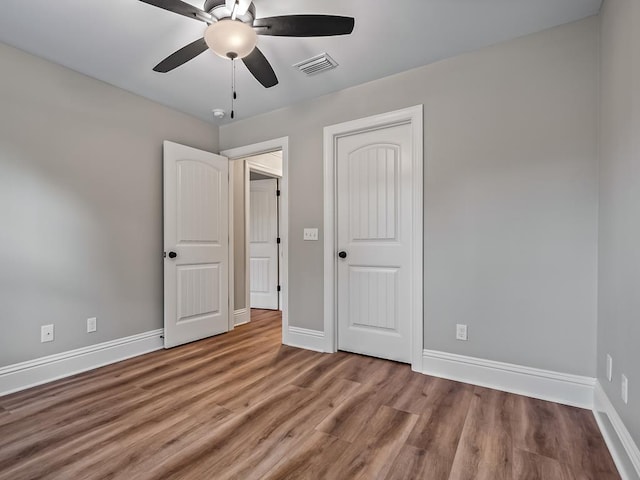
[(219, 10)]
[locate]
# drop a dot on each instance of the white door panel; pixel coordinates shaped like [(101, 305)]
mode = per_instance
[(374, 229), (260, 278), (196, 230), (263, 247)]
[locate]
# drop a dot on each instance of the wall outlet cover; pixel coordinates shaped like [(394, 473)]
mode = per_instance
[(46, 333)]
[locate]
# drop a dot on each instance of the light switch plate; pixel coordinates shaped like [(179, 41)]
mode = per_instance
[(92, 324), (625, 389), (310, 234), (461, 332), (609, 367)]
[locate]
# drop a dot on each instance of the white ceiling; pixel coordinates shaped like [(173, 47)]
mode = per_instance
[(120, 41)]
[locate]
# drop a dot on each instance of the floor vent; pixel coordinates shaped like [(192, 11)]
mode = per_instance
[(319, 63)]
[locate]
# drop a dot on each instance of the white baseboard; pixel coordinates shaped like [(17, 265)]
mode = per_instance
[(548, 385), (28, 374), (623, 449), (305, 338), (241, 316)]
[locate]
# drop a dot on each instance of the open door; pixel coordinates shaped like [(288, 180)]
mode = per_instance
[(263, 246), (196, 244)]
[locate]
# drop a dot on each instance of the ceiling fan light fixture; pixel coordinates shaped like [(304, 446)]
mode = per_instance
[(231, 38)]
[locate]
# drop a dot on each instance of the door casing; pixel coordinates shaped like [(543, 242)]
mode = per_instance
[(412, 116)]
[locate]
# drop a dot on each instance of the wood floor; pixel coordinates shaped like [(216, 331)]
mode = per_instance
[(242, 406)]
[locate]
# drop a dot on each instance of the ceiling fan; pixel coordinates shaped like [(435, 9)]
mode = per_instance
[(232, 33)]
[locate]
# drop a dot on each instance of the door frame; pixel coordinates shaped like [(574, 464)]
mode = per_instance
[(412, 116), (256, 149)]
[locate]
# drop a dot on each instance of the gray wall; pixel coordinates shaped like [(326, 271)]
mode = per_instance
[(239, 246), (81, 196), (510, 195), (619, 240)]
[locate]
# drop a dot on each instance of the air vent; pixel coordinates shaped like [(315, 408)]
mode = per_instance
[(319, 63)]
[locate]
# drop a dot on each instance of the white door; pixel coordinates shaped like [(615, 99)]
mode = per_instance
[(263, 246), (374, 235), (196, 244)]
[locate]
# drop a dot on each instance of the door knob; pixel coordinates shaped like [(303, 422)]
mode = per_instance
[(173, 254), (342, 254)]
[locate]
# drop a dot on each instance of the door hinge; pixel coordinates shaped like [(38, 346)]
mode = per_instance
[(278, 240), (277, 193), (279, 288)]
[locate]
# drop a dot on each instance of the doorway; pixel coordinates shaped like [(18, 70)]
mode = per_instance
[(260, 254), (374, 236)]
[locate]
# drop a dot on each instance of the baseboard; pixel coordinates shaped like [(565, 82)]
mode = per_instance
[(548, 385), (241, 316), (623, 449), (305, 338), (28, 374)]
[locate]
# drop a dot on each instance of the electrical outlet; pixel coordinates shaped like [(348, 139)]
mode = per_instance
[(625, 389), (461, 332), (92, 324), (46, 333), (310, 234), (609, 367)]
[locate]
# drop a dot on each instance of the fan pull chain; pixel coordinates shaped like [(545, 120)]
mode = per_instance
[(233, 86)]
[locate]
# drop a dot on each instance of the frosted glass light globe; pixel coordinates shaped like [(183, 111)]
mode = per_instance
[(230, 38)]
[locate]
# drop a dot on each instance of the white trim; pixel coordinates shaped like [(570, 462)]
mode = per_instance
[(247, 238), (565, 388), (53, 367), (245, 175), (266, 147), (264, 169), (241, 316), (305, 338), (231, 321), (624, 450), (413, 116)]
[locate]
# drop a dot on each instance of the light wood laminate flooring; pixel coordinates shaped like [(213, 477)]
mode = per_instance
[(243, 406)]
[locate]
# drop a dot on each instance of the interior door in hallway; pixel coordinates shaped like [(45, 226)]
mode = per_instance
[(196, 244), (263, 247), (374, 236)]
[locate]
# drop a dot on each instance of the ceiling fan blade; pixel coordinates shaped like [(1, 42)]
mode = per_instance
[(260, 68), (181, 56), (304, 25), (181, 8)]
